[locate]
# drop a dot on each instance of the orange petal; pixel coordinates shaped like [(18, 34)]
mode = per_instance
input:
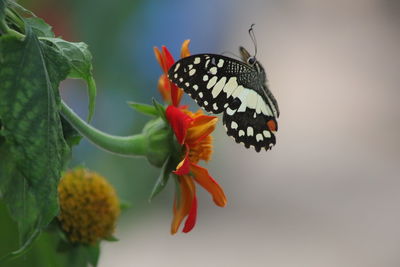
[(160, 59), (185, 49), (201, 127), (202, 177), (163, 88), (183, 202)]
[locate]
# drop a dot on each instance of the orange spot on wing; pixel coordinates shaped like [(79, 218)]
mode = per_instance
[(271, 125)]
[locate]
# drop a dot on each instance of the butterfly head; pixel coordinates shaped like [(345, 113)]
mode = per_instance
[(246, 57), (252, 62)]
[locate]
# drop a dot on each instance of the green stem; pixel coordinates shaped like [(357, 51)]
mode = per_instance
[(3, 26), (5, 29), (15, 18), (135, 145)]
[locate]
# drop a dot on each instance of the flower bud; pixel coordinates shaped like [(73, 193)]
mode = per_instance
[(89, 206), (159, 140)]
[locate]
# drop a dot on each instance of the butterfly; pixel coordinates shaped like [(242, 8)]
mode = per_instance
[(238, 89)]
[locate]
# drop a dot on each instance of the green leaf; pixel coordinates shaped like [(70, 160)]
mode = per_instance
[(80, 60), (163, 178), (2, 9), (71, 136), (93, 254), (39, 27), (21, 9), (160, 109), (22, 250), (144, 108), (32, 157)]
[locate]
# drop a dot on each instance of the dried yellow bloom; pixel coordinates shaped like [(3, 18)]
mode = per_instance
[(89, 206)]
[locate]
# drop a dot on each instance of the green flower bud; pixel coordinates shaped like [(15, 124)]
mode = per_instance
[(159, 138)]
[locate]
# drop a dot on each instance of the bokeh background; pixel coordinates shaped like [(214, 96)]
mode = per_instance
[(326, 195)]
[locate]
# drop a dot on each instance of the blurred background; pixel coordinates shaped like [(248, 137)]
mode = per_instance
[(328, 192)]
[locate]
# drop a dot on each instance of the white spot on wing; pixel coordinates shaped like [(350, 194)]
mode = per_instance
[(213, 70), (192, 72), (205, 77), (201, 95), (181, 79), (187, 84), (242, 98), (195, 87), (259, 137), (218, 87), (251, 100), (234, 125), (237, 91), (176, 75), (177, 67), (250, 131), (196, 60), (266, 134), (230, 111), (230, 86), (220, 63), (265, 109), (259, 104), (241, 133), (215, 106), (212, 82), (206, 103)]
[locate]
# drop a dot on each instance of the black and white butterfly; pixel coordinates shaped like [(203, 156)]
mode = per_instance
[(236, 88)]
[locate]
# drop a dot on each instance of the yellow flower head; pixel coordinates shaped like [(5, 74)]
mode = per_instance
[(89, 206)]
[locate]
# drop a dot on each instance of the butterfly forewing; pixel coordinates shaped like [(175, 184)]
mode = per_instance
[(222, 84), (210, 79)]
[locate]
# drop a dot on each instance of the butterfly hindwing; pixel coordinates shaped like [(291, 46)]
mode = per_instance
[(249, 120)]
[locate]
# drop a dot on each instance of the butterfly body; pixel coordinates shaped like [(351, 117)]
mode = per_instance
[(238, 89)]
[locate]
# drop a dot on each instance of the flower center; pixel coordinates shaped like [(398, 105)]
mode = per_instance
[(201, 150)]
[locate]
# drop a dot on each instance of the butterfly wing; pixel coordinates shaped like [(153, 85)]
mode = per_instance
[(222, 84), (210, 79), (250, 120)]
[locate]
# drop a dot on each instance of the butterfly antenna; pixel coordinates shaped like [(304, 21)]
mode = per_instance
[(253, 38)]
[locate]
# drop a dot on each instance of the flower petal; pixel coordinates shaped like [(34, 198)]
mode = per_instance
[(163, 87), (183, 202), (202, 177), (179, 122), (191, 219), (176, 94), (202, 126), (185, 49), (168, 58), (160, 59), (183, 166)]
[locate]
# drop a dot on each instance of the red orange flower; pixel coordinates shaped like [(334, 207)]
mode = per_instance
[(169, 91), (192, 131)]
